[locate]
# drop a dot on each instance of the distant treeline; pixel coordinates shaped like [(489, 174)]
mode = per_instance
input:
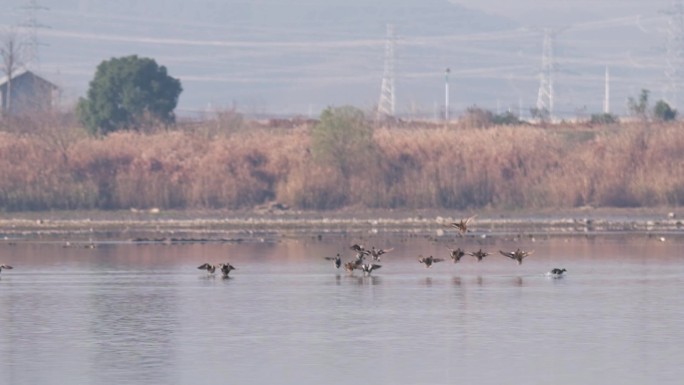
[(206, 166)]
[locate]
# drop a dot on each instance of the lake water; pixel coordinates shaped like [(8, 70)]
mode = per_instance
[(143, 314)]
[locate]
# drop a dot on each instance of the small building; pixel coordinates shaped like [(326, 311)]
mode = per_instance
[(27, 93)]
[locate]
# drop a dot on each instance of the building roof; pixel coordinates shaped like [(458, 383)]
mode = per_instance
[(22, 72)]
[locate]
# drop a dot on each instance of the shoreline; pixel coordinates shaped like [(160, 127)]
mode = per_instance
[(153, 226)]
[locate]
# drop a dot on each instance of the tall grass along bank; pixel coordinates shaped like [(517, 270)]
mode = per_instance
[(497, 167)]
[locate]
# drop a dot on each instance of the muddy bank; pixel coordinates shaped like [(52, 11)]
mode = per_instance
[(271, 225)]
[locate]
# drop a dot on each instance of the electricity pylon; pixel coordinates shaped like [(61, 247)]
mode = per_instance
[(545, 95), (31, 26), (386, 104)]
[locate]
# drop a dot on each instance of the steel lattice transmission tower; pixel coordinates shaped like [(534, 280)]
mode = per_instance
[(545, 95), (386, 104), (31, 26), (674, 51)]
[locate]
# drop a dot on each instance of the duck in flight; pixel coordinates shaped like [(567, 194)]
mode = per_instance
[(337, 260), (211, 269), (429, 260), (353, 265), (517, 255), (358, 248), (226, 268), (456, 254), (376, 253), (8, 267), (479, 254), (368, 268), (462, 226)]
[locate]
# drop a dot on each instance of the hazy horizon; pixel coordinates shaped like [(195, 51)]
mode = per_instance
[(299, 56)]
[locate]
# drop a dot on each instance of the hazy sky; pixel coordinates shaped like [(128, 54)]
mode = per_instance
[(299, 56)]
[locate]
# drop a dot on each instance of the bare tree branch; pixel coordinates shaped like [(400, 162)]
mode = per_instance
[(11, 52)]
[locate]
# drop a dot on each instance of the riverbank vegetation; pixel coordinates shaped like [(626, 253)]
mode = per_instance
[(228, 162)]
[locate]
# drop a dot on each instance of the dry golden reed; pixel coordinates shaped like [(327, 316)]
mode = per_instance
[(504, 167)]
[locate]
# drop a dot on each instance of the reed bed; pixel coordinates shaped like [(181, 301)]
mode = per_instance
[(505, 167)]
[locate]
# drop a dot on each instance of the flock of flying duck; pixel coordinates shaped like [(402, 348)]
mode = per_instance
[(359, 263)]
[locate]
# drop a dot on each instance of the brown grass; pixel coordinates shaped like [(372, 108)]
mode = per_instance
[(232, 165)]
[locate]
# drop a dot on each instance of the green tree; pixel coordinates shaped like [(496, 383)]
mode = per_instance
[(639, 107), (662, 111), (129, 93), (541, 114), (343, 139)]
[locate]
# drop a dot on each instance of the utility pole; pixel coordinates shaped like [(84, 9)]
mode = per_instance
[(446, 94), (386, 105), (606, 97)]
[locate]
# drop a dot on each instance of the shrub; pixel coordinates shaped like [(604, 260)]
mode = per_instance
[(604, 118), (343, 139)]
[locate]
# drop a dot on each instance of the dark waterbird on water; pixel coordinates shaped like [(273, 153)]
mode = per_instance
[(225, 268), (556, 272)]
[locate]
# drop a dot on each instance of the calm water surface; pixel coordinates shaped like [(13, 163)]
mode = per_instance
[(144, 314)]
